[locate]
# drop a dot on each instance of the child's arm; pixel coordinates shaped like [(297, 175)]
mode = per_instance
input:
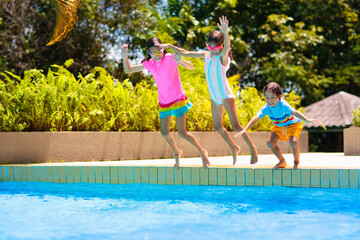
[(252, 122), (127, 68), (224, 28), (300, 115), (184, 63), (183, 52)]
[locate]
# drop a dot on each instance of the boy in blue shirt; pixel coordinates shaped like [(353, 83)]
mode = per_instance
[(287, 123)]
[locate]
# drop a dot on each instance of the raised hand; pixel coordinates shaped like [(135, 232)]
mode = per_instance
[(124, 50), (224, 24)]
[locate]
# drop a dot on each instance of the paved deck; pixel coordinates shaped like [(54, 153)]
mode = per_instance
[(307, 161)]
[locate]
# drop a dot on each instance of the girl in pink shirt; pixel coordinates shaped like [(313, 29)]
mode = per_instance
[(172, 98)]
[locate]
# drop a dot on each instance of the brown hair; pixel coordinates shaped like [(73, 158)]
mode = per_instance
[(218, 38), (150, 43), (275, 88)]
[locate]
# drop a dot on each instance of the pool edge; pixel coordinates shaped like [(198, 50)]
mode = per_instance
[(313, 178)]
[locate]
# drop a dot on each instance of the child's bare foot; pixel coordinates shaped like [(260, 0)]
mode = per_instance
[(235, 153), (177, 159), (281, 164), (254, 155), (205, 159), (296, 164)]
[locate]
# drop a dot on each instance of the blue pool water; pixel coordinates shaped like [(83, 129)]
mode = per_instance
[(135, 211)]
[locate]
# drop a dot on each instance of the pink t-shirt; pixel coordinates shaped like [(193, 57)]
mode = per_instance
[(167, 78)]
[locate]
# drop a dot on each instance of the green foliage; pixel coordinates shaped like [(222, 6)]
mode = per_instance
[(310, 46), (289, 65), (251, 103), (58, 101), (100, 27), (195, 87), (356, 119)]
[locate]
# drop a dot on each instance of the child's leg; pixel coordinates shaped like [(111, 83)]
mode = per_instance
[(230, 107), (273, 139), (165, 132), (217, 115), (181, 124), (294, 143)]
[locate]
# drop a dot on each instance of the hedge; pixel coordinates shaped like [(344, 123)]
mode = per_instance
[(59, 101)]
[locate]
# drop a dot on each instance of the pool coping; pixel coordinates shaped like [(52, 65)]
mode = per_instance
[(324, 174)]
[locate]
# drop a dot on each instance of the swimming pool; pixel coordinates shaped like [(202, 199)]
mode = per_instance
[(35, 210)]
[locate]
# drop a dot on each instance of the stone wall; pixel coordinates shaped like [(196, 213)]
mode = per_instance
[(30, 147)]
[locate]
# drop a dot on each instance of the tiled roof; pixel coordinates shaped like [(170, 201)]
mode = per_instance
[(333, 111)]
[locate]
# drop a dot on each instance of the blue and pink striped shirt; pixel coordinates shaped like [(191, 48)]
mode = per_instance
[(218, 84)]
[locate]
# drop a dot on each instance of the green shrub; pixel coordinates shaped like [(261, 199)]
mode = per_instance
[(58, 101), (356, 119)]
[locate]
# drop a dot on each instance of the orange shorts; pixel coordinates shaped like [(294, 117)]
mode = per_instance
[(285, 132)]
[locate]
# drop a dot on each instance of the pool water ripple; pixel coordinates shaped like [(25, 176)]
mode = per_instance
[(142, 211)]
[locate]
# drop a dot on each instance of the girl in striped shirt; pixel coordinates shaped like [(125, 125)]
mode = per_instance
[(217, 62)]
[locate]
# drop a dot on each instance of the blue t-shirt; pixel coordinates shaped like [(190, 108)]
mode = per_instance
[(280, 115)]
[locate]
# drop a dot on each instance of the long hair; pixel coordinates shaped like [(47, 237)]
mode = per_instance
[(150, 43), (275, 88), (218, 38)]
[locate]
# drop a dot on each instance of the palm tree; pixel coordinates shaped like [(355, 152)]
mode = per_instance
[(66, 16)]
